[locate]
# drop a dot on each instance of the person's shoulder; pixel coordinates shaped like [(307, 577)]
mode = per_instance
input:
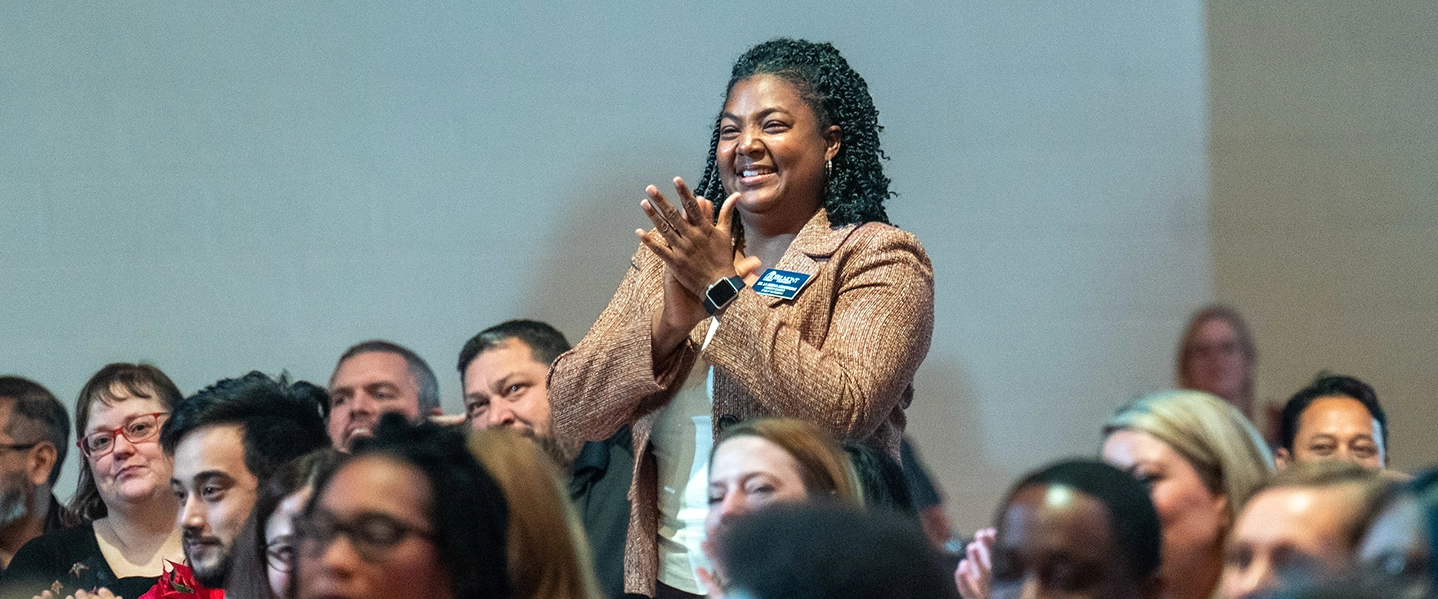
[(880, 237), (48, 555)]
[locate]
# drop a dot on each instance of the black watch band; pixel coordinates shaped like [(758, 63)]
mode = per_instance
[(723, 291)]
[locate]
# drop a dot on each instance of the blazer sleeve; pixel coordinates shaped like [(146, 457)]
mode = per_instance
[(881, 321), (609, 379)]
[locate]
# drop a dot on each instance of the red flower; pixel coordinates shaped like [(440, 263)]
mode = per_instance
[(179, 583)]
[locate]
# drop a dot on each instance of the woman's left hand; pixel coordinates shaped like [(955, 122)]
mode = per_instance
[(694, 248)]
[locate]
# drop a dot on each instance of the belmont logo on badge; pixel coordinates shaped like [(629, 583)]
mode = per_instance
[(783, 284)]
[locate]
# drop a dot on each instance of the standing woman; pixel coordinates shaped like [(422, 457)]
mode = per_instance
[(798, 301), (124, 494)]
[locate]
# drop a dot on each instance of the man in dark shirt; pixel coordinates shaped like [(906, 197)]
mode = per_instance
[(503, 371), (34, 436)]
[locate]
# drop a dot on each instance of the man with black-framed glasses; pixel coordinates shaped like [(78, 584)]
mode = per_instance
[(34, 435)]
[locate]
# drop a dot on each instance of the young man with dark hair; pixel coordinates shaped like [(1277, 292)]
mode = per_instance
[(225, 440), (1334, 418), (34, 436), (503, 371), (372, 378)]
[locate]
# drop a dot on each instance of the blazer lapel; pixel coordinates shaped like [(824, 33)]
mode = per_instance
[(812, 247)]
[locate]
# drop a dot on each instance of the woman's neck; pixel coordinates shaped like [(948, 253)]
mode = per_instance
[(153, 518), (1194, 578), (768, 240)]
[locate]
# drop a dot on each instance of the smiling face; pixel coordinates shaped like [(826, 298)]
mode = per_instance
[(365, 386), (1054, 541), (506, 386), (132, 472), (216, 492), (1337, 428), (748, 473), (374, 487), (1194, 519), (772, 150)]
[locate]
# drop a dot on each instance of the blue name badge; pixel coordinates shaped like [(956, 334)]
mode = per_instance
[(783, 284)]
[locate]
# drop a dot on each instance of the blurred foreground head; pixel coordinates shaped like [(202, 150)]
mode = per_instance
[(828, 550)]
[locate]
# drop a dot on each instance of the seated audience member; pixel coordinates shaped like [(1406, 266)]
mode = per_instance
[(881, 480), (264, 552), (503, 372), (375, 377), (928, 500), (1217, 356), (830, 551), (34, 436), (548, 555), (411, 516), (1335, 418), (1201, 460), (767, 461), (1301, 528), (1399, 546), (224, 440), (123, 492), (1077, 528)]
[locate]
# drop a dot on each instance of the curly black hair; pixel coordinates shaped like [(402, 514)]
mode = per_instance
[(856, 188)]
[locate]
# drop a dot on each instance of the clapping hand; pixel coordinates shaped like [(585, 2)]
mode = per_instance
[(101, 593), (975, 572)]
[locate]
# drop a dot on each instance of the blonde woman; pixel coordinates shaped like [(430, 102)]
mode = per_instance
[(1201, 460), (549, 555)]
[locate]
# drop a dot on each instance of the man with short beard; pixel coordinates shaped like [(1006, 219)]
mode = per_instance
[(226, 440), (503, 371), (34, 435)]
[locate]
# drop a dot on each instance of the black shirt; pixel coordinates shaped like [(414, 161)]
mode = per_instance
[(70, 558), (599, 485)]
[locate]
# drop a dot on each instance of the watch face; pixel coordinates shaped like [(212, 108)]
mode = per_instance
[(721, 292)]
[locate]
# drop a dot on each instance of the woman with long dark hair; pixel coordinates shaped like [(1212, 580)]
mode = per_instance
[(775, 287)]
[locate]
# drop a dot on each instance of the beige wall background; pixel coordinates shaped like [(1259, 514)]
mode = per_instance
[(1323, 145)]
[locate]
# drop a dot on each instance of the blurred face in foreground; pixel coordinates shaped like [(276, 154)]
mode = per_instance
[(369, 536), (1056, 542), (1287, 535), (1396, 548)]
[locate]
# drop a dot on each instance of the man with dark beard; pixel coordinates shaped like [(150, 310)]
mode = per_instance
[(503, 371), (34, 435), (226, 440)]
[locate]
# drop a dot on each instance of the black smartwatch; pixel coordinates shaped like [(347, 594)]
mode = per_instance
[(723, 291)]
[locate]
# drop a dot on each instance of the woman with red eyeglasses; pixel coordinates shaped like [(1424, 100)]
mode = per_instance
[(123, 497)]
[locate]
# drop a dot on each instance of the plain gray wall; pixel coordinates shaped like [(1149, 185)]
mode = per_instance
[(220, 187)]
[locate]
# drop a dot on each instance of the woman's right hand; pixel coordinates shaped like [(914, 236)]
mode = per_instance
[(975, 572)]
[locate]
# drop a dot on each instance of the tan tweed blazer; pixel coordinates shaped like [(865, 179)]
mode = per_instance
[(842, 355)]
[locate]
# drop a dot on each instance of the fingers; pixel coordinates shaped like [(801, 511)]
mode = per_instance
[(447, 419), (657, 206), (726, 212), (747, 267), (692, 214), (655, 242)]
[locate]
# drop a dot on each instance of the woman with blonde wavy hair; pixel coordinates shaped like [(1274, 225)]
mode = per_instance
[(1202, 461), (549, 555)]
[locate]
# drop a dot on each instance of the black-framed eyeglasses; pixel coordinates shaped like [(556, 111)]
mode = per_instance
[(280, 553), (371, 534), (143, 428)]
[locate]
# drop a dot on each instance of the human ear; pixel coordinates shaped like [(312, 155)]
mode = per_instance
[(40, 462), (1281, 457), (833, 140)]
